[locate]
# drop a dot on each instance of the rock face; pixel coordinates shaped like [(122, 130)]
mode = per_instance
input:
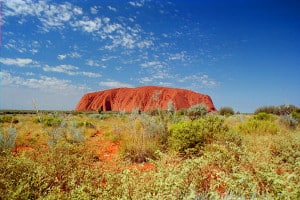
[(143, 98)]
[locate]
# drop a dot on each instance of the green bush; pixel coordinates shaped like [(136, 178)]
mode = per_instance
[(254, 126), (189, 137), (227, 111), (8, 119), (277, 110), (264, 116), (197, 111), (296, 114), (49, 121)]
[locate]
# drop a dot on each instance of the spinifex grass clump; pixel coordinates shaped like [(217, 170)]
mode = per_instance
[(145, 135), (7, 138)]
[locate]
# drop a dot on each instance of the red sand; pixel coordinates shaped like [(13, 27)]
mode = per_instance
[(142, 98)]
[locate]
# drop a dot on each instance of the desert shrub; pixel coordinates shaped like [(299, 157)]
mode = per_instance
[(254, 126), (227, 111), (286, 109), (146, 135), (102, 116), (264, 116), (60, 133), (155, 112), (7, 138), (48, 120), (267, 109), (85, 124), (289, 121), (197, 111), (181, 112), (8, 119), (296, 114), (277, 110), (189, 137), (63, 172)]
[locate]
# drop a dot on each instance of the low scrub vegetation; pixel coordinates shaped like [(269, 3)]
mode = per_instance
[(226, 111), (187, 154)]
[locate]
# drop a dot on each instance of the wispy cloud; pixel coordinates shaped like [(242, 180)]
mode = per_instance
[(92, 63), (88, 25), (178, 56), (114, 84), (115, 32), (94, 10), (21, 62), (112, 8), (70, 70), (70, 55), (67, 69), (199, 80), (156, 64), (21, 46), (136, 3), (61, 56), (44, 83), (51, 15)]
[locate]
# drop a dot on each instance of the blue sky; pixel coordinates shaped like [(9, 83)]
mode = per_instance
[(244, 54)]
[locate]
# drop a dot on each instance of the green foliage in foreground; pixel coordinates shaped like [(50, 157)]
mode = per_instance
[(224, 158)]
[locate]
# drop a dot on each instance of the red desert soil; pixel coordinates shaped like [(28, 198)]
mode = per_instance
[(143, 98), (107, 151)]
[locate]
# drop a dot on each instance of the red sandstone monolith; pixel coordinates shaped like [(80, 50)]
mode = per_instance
[(144, 98)]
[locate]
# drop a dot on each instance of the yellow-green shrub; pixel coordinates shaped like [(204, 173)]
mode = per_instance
[(254, 126), (189, 137)]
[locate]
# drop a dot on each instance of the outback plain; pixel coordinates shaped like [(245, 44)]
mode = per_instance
[(160, 154)]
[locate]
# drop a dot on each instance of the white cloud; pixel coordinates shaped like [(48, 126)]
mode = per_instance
[(152, 64), (90, 74), (145, 44), (136, 4), (114, 84), (112, 8), (49, 92), (45, 83), (21, 62), (71, 55), (51, 15), (70, 70), (178, 56), (61, 56), (92, 63), (198, 80), (94, 10), (144, 80), (74, 55), (60, 15), (88, 25)]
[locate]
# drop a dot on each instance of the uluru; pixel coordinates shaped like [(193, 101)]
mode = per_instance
[(143, 98)]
